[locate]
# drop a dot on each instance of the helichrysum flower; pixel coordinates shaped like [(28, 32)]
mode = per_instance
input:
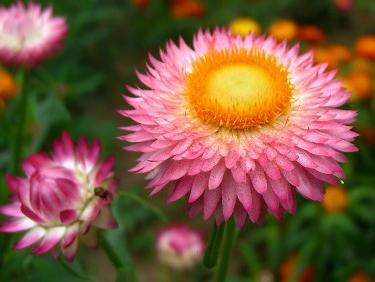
[(311, 33), (359, 83), (335, 199), (238, 125), (60, 197), (365, 47), (288, 266), (29, 34), (8, 87), (180, 247), (244, 26), (283, 29)]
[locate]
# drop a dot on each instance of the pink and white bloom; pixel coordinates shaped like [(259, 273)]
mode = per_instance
[(179, 246), (29, 34), (238, 125), (60, 197)]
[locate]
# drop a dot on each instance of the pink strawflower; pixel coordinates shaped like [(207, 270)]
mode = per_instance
[(28, 34), (60, 197), (238, 125), (179, 246)]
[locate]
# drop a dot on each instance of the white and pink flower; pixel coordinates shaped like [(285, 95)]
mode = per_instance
[(60, 197), (29, 34), (180, 247)]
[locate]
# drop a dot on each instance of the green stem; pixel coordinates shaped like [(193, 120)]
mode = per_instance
[(213, 247), (226, 250), (16, 151), (110, 251), (20, 130)]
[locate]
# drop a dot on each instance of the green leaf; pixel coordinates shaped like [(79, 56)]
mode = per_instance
[(213, 247), (74, 270), (251, 258), (148, 206)]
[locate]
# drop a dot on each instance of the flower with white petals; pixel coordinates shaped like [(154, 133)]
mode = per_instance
[(28, 34)]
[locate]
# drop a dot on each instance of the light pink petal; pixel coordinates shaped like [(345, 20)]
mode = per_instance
[(13, 209), (30, 238), (182, 187), (229, 197), (50, 240), (211, 199), (198, 187), (258, 180), (16, 225), (216, 176)]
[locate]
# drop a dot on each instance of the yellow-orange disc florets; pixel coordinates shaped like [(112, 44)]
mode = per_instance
[(238, 89)]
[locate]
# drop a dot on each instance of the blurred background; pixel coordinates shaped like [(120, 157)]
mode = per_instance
[(80, 91)]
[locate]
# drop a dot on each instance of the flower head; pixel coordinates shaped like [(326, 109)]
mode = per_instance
[(238, 125), (283, 29), (179, 246), (244, 26), (187, 8), (365, 47), (359, 83), (29, 34), (311, 33), (8, 87), (60, 197), (343, 5), (335, 199), (359, 277), (288, 266)]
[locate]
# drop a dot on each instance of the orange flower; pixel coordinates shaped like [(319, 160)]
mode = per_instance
[(335, 199), (365, 46), (187, 8), (311, 33), (244, 26), (324, 55), (341, 52), (359, 83), (359, 277), (283, 30), (8, 87), (141, 4), (333, 55), (287, 268)]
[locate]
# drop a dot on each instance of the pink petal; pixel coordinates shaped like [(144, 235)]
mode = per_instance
[(198, 187), (30, 238), (229, 197), (52, 237), (258, 180), (16, 225), (211, 199)]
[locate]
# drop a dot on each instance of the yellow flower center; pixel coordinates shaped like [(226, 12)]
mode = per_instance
[(238, 89), (335, 199)]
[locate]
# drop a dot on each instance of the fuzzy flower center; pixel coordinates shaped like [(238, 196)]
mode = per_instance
[(238, 89)]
